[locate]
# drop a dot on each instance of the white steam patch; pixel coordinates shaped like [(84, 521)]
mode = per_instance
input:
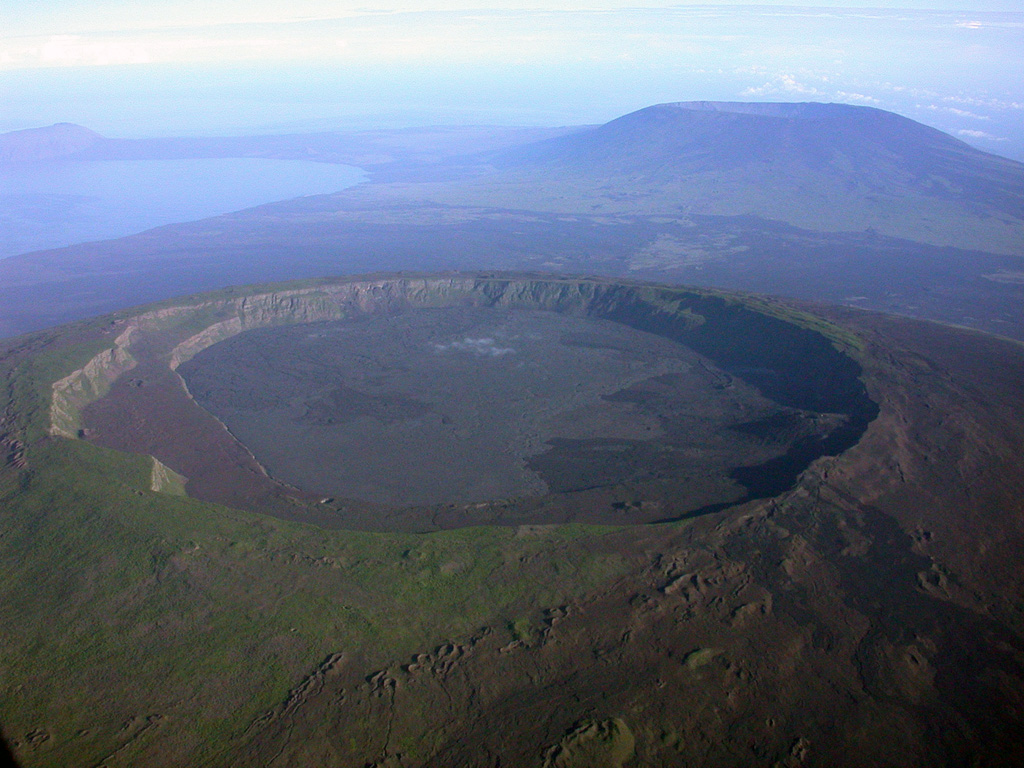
[(484, 347)]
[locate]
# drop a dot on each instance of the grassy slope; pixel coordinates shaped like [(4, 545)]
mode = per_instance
[(133, 604)]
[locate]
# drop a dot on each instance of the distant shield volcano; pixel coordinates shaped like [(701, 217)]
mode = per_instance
[(826, 167)]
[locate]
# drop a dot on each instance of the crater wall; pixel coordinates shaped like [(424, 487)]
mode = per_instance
[(792, 358)]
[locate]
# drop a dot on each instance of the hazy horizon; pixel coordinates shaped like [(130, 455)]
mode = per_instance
[(130, 71)]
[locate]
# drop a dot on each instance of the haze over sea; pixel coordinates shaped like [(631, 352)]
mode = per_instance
[(53, 204)]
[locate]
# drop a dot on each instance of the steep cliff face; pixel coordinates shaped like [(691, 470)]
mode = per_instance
[(739, 334), (89, 383), (163, 479), (333, 302)]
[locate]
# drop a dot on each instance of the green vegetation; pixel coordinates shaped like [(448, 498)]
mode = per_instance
[(133, 603)]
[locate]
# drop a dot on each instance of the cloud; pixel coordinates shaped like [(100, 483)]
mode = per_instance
[(856, 97), (979, 135), (113, 50), (789, 85), (970, 100), (955, 111), (965, 113), (783, 84), (989, 103), (73, 50)]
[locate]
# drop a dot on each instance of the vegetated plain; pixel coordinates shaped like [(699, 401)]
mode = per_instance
[(868, 614)]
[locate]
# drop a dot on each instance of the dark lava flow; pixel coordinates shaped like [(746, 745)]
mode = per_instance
[(471, 405)]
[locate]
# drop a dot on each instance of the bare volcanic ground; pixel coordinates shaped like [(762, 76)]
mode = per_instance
[(475, 404)]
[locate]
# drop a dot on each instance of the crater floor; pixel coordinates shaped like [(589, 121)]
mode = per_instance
[(461, 405)]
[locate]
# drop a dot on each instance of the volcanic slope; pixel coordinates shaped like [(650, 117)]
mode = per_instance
[(41, 144), (822, 167), (870, 614)]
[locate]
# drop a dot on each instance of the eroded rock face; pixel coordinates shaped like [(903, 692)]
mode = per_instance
[(795, 397), (87, 384)]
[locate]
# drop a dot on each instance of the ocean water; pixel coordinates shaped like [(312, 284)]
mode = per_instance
[(54, 204)]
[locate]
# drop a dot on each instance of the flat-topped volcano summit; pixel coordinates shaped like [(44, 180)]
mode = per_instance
[(865, 150), (858, 143)]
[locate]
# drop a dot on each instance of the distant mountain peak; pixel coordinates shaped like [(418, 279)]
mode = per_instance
[(680, 138), (52, 142), (827, 167)]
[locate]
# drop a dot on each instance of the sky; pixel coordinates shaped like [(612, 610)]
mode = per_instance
[(185, 67)]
